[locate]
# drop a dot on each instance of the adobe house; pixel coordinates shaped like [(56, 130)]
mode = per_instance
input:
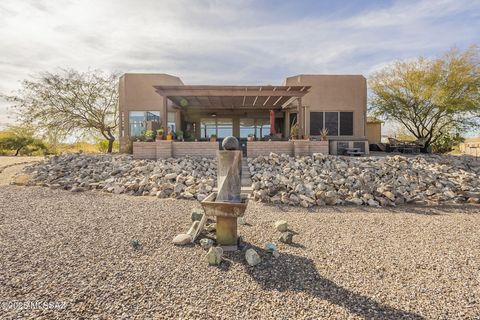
[(260, 116)]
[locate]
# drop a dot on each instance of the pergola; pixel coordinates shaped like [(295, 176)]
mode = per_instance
[(235, 97)]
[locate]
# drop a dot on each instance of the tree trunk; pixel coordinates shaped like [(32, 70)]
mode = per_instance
[(109, 136), (110, 145)]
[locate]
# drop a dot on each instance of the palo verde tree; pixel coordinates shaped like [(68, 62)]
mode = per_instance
[(70, 101), (20, 139), (432, 98)]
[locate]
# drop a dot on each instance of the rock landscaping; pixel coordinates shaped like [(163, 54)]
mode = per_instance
[(373, 181), (188, 178), (280, 179)]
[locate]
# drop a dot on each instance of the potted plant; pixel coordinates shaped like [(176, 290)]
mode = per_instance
[(179, 134), (294, 131), (149, 135), (213, 138), (324, 134), (160, 134), (169, 134), (250, 137)]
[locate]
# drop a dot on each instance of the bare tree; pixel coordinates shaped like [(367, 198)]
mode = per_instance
[(70, 102)]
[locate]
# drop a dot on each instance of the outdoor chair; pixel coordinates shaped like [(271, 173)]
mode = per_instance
[(394, 144)]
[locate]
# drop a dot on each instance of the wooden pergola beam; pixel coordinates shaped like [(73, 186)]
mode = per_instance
[(227, 92)]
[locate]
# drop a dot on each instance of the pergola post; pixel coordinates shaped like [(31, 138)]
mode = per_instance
[(164, 116), (301, 118), (286, 125)]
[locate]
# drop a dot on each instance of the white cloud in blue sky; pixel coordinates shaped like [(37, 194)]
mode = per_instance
[(234, 42)]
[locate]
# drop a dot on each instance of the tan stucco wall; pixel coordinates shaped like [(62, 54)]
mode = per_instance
[(139, 92), (374, 132), (136, 93), (335, 93), (471, 146)]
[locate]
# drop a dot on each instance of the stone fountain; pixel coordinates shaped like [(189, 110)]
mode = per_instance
[(228, 203)]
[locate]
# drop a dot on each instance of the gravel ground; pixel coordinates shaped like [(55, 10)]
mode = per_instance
[(11, 165), (7, 161), (346, 262)]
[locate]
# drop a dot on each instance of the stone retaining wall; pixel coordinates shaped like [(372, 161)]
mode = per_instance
[(263, 148), (145, 150), (292, 148), (200, 149), (176, 149), (167, 149)]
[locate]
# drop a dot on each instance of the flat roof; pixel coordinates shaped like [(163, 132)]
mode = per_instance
[(227, 96)]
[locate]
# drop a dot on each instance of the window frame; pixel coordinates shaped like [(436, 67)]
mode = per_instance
[(338, 123), (142, 123)]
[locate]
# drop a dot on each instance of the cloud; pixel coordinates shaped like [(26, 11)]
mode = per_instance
[(234, 42)]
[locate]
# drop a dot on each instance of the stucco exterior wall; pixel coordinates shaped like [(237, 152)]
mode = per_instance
[(471, 147), (374, 132), (335, 93), (136, 93)]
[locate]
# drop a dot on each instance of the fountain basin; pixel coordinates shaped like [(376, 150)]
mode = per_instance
[(224, 209)]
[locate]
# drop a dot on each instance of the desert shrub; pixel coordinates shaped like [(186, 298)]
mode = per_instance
[(102, 145), (21, 141), (447, 142)]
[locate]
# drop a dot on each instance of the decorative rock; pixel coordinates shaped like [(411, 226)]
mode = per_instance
[(389, 195), (21, 179), (356, 201), (252, 257), (197, 214), (242, 221), (276, 254), (270, 247), (286, 237), (214, 256), (473, 200), (281, 225), (276, 178), (206, 243), (211, 227), (230, 143), (77, 189), (170, 176), (182, 239), (178, 187)]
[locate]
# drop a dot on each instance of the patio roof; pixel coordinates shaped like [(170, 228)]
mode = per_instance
[(230, 97)]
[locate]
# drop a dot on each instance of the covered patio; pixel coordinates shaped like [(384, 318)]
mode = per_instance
[(264, 112)]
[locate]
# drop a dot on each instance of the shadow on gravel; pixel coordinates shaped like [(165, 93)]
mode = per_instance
[(298, 274)]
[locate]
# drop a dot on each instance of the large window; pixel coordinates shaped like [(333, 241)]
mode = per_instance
[(171, 121), (247, 127), (337, 123), (220, 127), (331, 123), (260, 128), (137, 121), (346, 123)]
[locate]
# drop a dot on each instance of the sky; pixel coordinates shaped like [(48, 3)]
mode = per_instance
[(225, 42)]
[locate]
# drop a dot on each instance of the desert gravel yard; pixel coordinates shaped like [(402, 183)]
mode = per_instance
[(346, 262)]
